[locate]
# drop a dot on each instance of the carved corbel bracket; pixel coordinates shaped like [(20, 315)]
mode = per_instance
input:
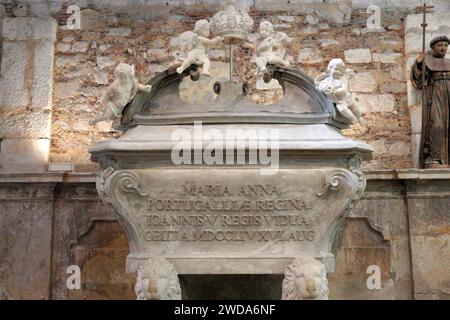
[(113, 188), (354, 178)]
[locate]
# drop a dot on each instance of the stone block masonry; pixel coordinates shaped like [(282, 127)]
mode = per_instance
[(26, 93), (123, 31)]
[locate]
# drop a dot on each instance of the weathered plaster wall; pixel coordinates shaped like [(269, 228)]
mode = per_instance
[(401, 225), (429, 222), (86, 235), (376, 233), (26, 215)]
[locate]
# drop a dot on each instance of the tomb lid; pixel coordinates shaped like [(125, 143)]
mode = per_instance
[(302, 103), (301, 141)]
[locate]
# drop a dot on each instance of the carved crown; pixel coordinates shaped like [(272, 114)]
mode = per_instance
[(231, 24)]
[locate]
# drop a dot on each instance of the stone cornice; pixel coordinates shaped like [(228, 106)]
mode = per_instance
[(89, 177)]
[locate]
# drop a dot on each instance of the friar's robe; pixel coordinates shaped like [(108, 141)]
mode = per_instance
[(436, 117)]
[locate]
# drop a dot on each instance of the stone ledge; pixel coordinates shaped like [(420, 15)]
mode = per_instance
[(25, 124), (24, 155), (408, 174), (48, 177), (89, 177)]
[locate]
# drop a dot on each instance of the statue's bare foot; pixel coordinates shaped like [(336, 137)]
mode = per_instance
[(180, 70), (206, 73)]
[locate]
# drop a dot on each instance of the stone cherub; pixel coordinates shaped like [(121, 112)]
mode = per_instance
[(264, 50), (334, 83), (198, 46), (119, 93), (157, 280)]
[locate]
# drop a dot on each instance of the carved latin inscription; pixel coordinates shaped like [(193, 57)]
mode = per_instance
[(219, 212), (234, 213)]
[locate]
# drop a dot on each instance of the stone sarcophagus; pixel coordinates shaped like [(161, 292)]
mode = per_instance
[(231, 187)]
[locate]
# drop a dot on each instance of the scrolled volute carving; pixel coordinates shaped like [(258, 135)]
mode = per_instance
[(128, 181), (112, 187), (335, 180)]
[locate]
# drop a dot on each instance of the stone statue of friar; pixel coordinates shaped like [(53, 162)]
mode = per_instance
[(436, 116)]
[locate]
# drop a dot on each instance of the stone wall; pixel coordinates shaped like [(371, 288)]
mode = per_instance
[(157, 8), (85, 60), (26, 93), (52, 221), (145, 33), (26, 240)]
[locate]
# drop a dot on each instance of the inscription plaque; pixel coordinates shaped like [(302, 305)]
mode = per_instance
[(229, 214)]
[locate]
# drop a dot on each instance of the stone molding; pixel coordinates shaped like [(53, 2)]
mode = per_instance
[(90, 177)]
